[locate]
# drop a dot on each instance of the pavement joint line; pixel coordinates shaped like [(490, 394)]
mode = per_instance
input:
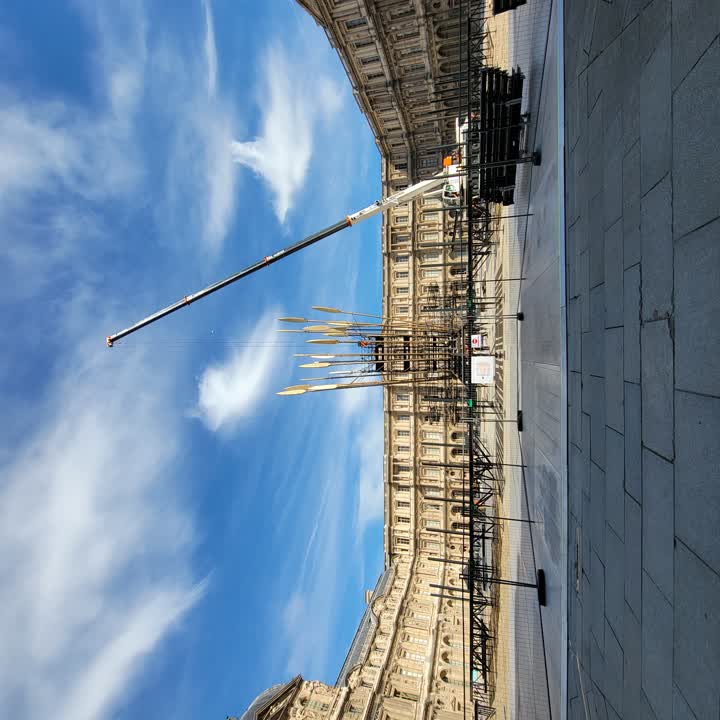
[(677, 538), (700, 57)]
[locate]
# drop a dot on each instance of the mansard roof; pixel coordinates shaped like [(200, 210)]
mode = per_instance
[(266, 698), (363, 637)]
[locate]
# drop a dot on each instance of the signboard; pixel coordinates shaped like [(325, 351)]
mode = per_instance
[(477, 341), (482, 369)]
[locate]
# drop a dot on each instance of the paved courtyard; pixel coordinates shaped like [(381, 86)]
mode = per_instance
[(642, 158)]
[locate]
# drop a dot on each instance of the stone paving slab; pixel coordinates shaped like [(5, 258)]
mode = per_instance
[(643, 260), (696, 145), (657, 387), (696, 626), (697, 475), (657, 521), (657, 649), (633, 556), (697, 310)]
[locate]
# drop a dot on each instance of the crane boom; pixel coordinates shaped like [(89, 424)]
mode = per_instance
[(398, 198)]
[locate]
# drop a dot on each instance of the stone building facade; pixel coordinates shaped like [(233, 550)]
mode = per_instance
[(409, 656)]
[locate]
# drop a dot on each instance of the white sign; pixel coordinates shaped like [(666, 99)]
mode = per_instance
[(476, 341), (482, 369)]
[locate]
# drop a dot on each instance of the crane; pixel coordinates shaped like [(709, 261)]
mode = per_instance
[(445, 184)]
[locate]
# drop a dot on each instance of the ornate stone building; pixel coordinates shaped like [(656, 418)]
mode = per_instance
[(409, 656)]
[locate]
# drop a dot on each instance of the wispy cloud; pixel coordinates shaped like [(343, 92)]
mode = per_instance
[(348, 470), (54, 148), (96, 542), (309, 614), (199, 198), (297, 97), (211, 61), (54, 144), (229, 391), (369, 442), (360, 409), (95, 545)]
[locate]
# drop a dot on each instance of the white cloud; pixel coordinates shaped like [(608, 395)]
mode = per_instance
[(370, 448), (361, 407), (55, 147), (95, 542), (309, 613), (58, 146), (297, 96), (53, 142), (34, 147), (351, 465), (199, 196), (210, 50), (94, 546), (229, 391), (352, 402)]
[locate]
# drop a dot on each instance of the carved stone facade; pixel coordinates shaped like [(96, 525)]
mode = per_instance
[(409, 657)]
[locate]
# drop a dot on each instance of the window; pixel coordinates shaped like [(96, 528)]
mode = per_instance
[(402, 397), (403, 519), (403, 309), (401, 219), (316, 705), (403, 433), (369, 60), (408, 53), (431, 472), (431, 273), (401, 540), (431, 451), (402, 290), (375, 75), (405, 695), (364, 43), (431, 490), (431, 507), (355, 23), (427, 162), (402, 275), (401, 166), (428, 257), (402, 448), (430, 216), (432, 523), (417, 640), (407, 35), (403, 418), (415, 656), (397, 14), (402, 259), (429, 238), (432, 435), (398, 239), (403, 504)]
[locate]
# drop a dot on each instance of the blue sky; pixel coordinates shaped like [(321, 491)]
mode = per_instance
[(173, 536)]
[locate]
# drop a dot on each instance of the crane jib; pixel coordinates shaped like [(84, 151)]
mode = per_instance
[(265, 262), (400, 197)]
